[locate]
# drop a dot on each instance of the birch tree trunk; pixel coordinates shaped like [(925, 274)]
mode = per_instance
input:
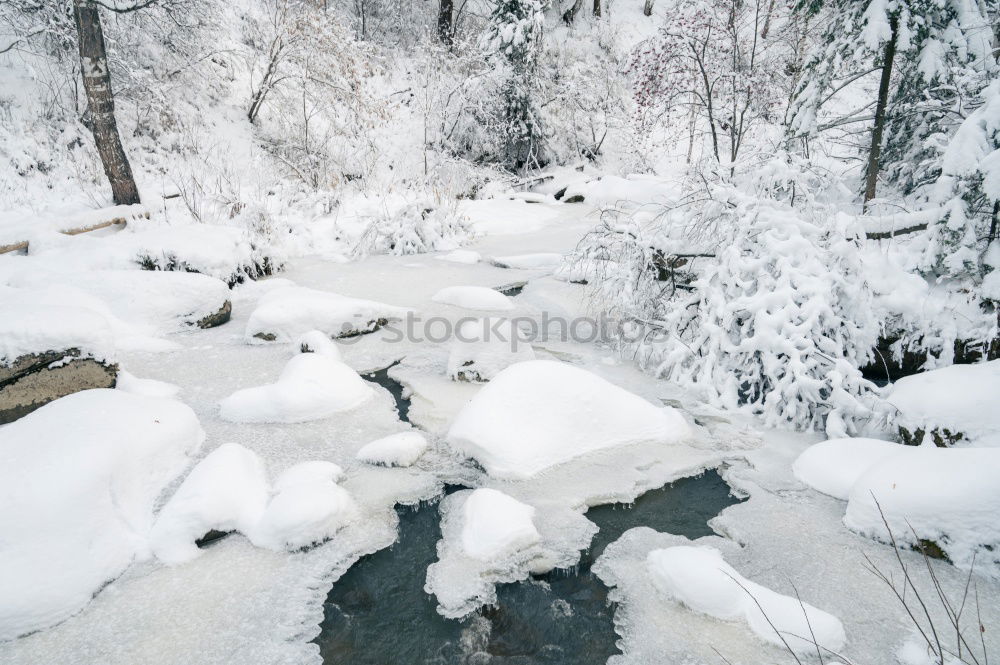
[(101, 100)]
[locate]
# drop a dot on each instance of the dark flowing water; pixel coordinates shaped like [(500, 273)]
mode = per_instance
[(395, 388), (379, 614)]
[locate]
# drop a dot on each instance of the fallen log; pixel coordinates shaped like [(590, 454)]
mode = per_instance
[(83, 227)]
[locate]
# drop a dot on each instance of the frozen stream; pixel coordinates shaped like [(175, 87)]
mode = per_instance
[(378, 612)]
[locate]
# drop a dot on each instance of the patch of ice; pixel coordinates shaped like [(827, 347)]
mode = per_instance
[(80, 477), (949, 496), (311, 386), (540, 413), (402, 449), (473, 297), (700, 579), (832, 467), (285, 313)]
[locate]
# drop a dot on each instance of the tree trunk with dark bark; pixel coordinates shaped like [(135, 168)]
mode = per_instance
[(647, 9), (874, 155), (446, 28), (101, 101), (597, 8)]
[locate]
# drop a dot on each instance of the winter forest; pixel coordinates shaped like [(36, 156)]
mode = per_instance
[(500, 332)]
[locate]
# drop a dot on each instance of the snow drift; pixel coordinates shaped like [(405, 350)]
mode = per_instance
[(540, 413)]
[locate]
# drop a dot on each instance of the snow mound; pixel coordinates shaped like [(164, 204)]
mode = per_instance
[(166, 301), (546, 260), (402, 449), (832, 467), (148, 387), (484, 347), (959, 398), (949, 496), (473, 297), (80, 477), (466, 256), (701, 580), (28, 329), (285, 313), (307, 509), (308, 472), (539, 413), (315, 341), (229, 491), (226, 491), (310, 387), (495, 524)]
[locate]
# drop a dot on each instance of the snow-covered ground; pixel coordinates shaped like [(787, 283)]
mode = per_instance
[(233, 601)]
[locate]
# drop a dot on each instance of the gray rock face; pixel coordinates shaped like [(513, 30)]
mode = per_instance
[(34, 380), (218, 318)]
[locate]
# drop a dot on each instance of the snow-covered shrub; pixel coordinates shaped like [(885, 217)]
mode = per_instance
[(770, 312), (415, 228)]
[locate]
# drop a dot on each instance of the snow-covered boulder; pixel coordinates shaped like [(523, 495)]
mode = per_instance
[(285, 313), (495, 524), (946, 496), (148, 387), (48, 352), (315, 341), (832, 467), (308, 508), (78, 481), (482, 348), (539, 413), (952, 403), (402, 449), (473, 297), (701, 580), (161, 299), (226, 491), (544, 260), (465, 256), (310, 387)]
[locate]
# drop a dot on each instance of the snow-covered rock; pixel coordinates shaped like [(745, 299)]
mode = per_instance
[(701, 580), (539, 413), (315, 341), (832, 467), (311, 386), (226, 491), (308, 508), (402, 449), (482, 348), (495, 524), (546, 260), (949, 496), (79, 479), (165, 300), (466, 256), (473, 297), (285, 313), (961, 399)]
